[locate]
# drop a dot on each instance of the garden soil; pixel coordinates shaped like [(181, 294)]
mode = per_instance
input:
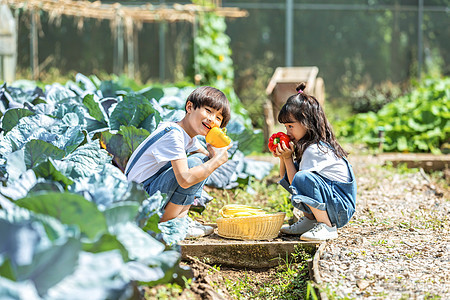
[(396, 246)]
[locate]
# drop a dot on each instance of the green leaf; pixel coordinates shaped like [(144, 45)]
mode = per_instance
[(69, 209), (37, 151), (133, 137), (95, 126), (152, 224), (17, 290), (20, 187), (151, 122), (48, 170), (152, 93), (421, 145), (15, 164), (70, 138), (54, 229), (26, 93), (7, 270), (70, 106), (417, 121), (402, 143), (56, 93), (108, 186), (84, 161), (28, 128), (97, 276), (106, 242), (116, 146), (416, 126), (131, 111), (94, 108), (121, 212), (122, 144), (71, 119), (46, 186), (135, 192), (51, 265), (12, 117), (140, 245)]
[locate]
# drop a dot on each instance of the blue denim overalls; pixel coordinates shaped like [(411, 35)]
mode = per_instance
[(337, 198), (165, 181)]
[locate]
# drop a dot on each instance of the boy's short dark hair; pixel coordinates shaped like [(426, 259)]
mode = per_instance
[(212, 97)]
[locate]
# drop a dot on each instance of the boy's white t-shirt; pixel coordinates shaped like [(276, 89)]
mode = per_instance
[(323, 161), (171, 146)]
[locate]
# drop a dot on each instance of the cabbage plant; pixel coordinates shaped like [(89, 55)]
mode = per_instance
[(71, 225)]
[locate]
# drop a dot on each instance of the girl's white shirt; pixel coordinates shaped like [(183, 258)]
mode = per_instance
[(173, 145), (323, 161)]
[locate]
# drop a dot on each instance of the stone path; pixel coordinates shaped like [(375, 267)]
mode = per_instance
[(397, 245)]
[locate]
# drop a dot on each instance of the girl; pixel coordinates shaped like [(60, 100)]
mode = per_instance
[(314, 170)]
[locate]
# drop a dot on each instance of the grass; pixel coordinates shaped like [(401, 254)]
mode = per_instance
[(168, 291), (290, 280), (331, 294)]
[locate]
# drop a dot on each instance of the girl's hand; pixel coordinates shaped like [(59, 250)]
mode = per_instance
[(284, 151)]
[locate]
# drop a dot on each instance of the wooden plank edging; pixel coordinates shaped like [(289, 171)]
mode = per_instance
[(316, 272)]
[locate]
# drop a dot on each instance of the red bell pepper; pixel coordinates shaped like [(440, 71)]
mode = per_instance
[(277, 138)]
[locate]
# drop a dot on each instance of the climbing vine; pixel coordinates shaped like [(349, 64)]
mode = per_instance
[(212, 64)]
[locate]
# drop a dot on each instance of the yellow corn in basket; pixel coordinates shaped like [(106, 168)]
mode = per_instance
[(257, 227)]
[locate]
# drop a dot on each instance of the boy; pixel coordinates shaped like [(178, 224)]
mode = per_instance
[(161, 162)]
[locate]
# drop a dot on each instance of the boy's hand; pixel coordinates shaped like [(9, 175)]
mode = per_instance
[(219, 154), (283, 150)]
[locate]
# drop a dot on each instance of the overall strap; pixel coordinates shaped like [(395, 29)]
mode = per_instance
[(150, 142)]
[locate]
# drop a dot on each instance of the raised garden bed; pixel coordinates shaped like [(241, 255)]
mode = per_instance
[(244, 254), (426, 161)]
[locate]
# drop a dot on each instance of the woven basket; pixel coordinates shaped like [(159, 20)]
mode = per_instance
[(258, 227)]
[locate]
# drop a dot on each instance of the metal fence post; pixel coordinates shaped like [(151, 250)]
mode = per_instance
[(162, 48), (420, 39), (34, 56), (289, 32)]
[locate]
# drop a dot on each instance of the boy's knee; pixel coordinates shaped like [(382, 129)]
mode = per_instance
[(194, 161)]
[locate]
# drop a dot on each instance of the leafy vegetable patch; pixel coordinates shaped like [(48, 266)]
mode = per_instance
[(416, 122), (70, 222)]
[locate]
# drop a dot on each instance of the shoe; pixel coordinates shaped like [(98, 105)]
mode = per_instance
[(301, 226), (196, 229), (320, 232)]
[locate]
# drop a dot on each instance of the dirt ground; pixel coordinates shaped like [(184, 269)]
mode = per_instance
[(396, 246), (210, 283)]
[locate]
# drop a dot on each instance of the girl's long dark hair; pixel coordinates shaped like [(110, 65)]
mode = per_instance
[(306, 109)]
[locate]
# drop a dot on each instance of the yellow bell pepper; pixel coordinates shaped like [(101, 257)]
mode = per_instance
[(239, 210), (217, 137)]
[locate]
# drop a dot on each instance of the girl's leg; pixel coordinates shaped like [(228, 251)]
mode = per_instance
[(312, 194), (320, 215), (308, 215)]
